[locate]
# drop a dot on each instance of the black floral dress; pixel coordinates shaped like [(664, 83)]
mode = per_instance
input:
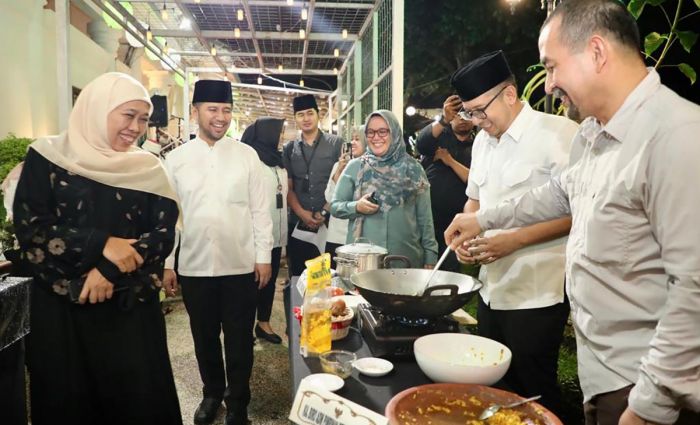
[(63, 220)]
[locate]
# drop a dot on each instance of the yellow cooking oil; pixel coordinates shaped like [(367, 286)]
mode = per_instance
[(316, 316)]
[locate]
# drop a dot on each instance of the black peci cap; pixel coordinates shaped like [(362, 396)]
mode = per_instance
[(481, 75), (215, 91)]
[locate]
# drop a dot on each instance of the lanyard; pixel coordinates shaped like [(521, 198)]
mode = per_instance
[(277, 176), (311, 158)]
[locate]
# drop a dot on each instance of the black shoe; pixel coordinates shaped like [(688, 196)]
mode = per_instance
[(269, 337), (206, 412), (234, 419)]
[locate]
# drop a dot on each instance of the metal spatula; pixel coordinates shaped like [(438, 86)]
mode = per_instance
[(435, 269)]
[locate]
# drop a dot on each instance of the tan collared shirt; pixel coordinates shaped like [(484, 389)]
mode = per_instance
[(633, 255)]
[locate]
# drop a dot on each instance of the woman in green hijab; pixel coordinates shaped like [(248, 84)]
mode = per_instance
[(385, 195)]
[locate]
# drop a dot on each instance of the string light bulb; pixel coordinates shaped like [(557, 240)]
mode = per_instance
[(280, 67), (302, 33), (335, 71), (237, 32), (197, 1), (239, 14), (164, 12), (149, 34), (345, 33), (259, 80), (213, 50), (336, 52), (166, 49), (290, 2), (304, 14), (301, 82)]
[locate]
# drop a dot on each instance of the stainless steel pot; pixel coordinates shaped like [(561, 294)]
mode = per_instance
[(360, 256), (400, 291)]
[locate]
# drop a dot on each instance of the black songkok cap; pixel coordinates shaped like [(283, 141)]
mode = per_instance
[(215, 91), (302, 103), (480, 75)]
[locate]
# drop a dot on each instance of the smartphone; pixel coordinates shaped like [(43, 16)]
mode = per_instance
[(346, 149), (373, 198)]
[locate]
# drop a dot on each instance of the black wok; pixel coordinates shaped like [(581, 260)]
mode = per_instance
[(395, 291)]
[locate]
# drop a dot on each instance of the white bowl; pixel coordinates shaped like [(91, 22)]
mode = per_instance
[(462, 358), (326, 381), (373, 366)]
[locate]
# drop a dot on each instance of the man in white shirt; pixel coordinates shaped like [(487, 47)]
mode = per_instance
[(633, 259), (225, 250), (522, 302)]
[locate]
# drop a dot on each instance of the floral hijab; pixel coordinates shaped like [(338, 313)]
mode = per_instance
[(394, 177)]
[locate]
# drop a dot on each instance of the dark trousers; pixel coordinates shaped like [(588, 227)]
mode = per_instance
[(533, 336), (13, 407), (98, 364), (228, 303), (330, 248), (298, 252), (606, 409), (266, 295)]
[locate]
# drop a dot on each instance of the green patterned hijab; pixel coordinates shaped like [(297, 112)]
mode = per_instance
[(395, 177)]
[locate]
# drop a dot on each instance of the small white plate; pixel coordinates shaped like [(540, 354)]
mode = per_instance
[(326, 381), (373, 366)]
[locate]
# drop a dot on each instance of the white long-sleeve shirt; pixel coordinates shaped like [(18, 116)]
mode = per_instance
[(535, 147), (225, 208), (633, 256)]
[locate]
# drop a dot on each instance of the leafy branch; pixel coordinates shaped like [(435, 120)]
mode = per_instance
[(654, 40)]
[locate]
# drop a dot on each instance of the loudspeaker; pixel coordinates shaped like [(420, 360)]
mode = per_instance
[(159, 118)]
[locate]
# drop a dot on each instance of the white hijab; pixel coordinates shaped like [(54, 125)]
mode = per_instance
[(84, 148)]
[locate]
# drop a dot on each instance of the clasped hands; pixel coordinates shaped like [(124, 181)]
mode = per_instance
[(122, 254), (463, 236)]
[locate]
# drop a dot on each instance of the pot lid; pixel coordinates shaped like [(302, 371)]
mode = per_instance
[(361, 248)]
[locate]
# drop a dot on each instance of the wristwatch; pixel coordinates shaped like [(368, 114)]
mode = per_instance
[(443, 122)]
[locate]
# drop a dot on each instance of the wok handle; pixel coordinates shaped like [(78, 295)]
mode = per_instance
[(452, 288), (389, 258)]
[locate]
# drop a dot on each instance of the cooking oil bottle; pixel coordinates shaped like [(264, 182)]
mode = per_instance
[(316, 319)]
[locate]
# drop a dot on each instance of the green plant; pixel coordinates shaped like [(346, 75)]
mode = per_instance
[(652, 43), (12, 152), (654, 40)]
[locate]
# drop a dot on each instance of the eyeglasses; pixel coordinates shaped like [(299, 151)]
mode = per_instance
[(382, 132), (479, 114)]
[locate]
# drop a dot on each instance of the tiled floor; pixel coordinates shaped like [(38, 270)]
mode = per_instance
[(270, 383)]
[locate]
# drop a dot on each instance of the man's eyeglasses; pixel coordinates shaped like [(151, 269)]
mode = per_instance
[(382, 132), (479, 114)]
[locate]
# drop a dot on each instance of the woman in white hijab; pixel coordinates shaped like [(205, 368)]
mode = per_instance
[(95, 219)]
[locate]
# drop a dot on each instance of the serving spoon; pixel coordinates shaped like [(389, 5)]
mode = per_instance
[(491, 410)]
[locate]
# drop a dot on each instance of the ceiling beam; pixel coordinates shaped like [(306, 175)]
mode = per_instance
[(309, 18), (260, 35), (252, 54), (137, 31), (205, 43), (285, 71), (272, 3), (365, 25), (249, 18)]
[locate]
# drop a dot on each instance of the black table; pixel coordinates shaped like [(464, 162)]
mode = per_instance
[(372, 393), (14, 325)]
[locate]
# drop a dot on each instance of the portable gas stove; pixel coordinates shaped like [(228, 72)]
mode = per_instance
[(393, 336)]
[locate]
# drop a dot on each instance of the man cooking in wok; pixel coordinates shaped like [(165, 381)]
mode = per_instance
[(522, 270)]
